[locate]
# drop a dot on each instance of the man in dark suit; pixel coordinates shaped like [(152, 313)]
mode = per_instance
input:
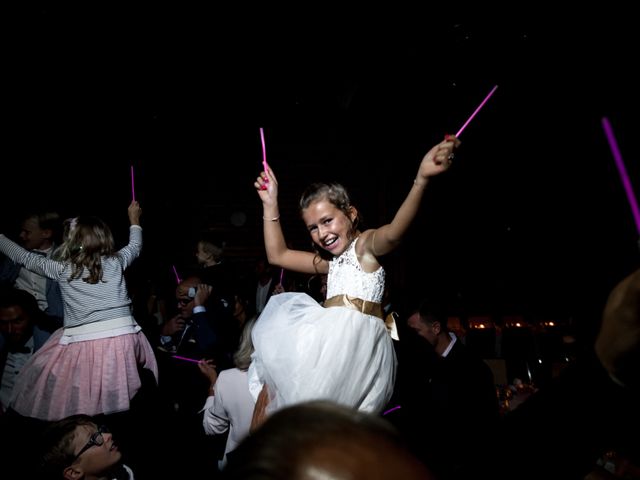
[(450, 409)]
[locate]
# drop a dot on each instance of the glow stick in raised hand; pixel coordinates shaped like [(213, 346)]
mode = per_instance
[(264, 151), (176, 274), (133, 188), (476, 111), (624, 176)]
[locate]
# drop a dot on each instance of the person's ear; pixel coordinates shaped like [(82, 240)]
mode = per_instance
[(73, 473), (437, 327), (353, 213)]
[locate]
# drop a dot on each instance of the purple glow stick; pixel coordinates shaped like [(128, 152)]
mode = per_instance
[(264, 151), (392, 409), (281, 275), (176, 273), (624, 176), (133, 189), (476, 111), (186, 359)]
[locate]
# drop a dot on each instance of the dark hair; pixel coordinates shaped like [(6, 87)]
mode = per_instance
[(56, 444), (430, 310), (277, 449), (10, 296)]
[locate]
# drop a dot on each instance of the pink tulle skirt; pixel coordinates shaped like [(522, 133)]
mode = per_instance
[(90, 377)]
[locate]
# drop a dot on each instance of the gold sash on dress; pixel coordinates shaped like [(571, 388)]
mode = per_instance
[(364, 306)]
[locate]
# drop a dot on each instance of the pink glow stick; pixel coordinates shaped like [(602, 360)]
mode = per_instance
[(133, 189), (392, 409), (264, 151), (281, 275), (476, 111), (624, 176), (176, 273), (186, 359)]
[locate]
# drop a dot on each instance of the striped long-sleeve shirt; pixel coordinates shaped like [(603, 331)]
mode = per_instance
[(84, 302)]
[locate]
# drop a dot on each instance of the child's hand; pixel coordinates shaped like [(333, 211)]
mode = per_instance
[(134, 213), (439, 158), (267, 187)]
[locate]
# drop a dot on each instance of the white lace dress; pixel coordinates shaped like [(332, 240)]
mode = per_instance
[(304, 351)]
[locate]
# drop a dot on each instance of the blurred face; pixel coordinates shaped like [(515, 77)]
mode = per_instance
[(15, 325), (185, 302), (97, 459), (33, 237), (424, 329), (202, 256), (328, 226)]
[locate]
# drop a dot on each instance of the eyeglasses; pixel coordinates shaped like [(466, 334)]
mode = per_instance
[(95, 439)]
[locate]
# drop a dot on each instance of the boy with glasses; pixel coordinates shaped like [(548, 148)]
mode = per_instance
[(75, 448)]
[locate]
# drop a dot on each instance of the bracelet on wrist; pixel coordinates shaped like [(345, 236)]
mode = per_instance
[(415, 182), (274, 219)]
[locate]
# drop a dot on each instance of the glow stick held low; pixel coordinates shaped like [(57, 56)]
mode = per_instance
[(476, 111), (624, 176), (192, 360), (397, 407), (281, 275)]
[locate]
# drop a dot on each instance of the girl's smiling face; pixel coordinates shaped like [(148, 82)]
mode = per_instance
[(330, 228)]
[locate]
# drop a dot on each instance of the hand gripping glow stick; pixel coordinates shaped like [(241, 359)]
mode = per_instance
[(624, 176), (133, 188), (476, 111)]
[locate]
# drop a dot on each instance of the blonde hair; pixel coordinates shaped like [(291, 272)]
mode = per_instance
[(88, 241)]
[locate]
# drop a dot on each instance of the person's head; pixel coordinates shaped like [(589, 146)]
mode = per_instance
[(76, 448), (321, 439), (39, 230), (185, 294), (209, 250), (244, 306), (618, 341), (242, 356), (88, 239), (18, 314), (429, 322), (330, 218)]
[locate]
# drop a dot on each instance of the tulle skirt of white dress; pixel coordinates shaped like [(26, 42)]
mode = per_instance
[(304, 351)]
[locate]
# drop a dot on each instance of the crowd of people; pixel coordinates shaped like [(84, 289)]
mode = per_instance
[(237, 376)]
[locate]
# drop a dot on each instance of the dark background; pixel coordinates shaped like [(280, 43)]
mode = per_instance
[(532, 217)]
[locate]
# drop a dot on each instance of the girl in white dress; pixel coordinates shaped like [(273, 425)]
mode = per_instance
[(341, 351)]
